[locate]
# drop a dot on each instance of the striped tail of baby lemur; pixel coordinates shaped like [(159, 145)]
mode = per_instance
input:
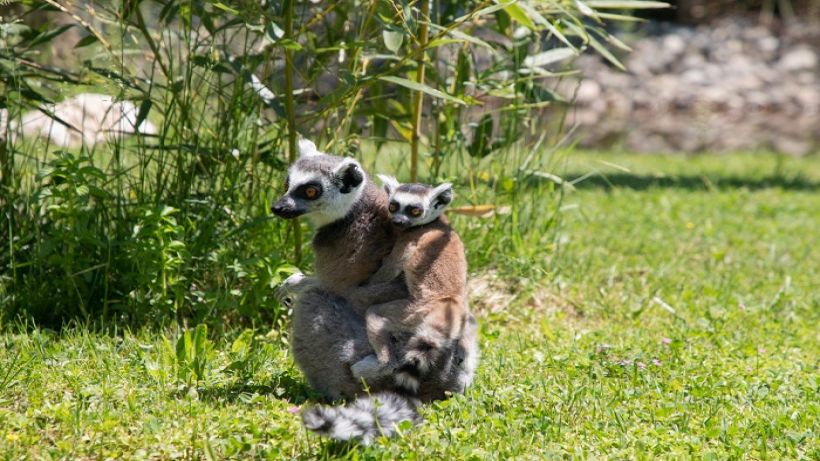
[(354, 236)]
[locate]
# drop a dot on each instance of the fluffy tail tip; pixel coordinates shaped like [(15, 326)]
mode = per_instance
[(364, 419)]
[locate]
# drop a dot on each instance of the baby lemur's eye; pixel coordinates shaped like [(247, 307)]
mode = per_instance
[(415, 212), (394, 207)]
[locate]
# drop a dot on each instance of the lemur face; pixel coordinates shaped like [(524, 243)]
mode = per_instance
[(411, 205), (321, 187)]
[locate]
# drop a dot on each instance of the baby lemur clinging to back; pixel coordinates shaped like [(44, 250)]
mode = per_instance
[(431, 256)]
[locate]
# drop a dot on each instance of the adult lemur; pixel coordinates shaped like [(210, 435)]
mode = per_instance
[(353, 237)]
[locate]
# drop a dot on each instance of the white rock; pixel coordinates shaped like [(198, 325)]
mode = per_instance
[(91, 118), (797, 59)]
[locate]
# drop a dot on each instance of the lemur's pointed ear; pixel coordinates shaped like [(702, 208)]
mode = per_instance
[(442, 195), (390, 183), (349, 175), (307, 148)]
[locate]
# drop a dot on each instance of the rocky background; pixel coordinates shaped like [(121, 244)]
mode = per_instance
[(736, 83)]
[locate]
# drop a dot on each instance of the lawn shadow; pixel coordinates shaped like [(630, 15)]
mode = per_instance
[(690, 182), (283, 386)]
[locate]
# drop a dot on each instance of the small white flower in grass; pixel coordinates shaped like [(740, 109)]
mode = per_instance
[(520, 33), (235, 153), (342, 54), (293, 410)]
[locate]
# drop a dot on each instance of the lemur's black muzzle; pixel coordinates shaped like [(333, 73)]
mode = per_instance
[(286, 208), (400, 221)]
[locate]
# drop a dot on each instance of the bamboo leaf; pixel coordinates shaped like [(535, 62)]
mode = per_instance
[(47, 36), (584, 9), (518, 14), (392, 40), (481, 12), (226, 8), (87, 40), (273, 33), (423, 88), (461, 36), (540, 19), (145, 107), (620, 17), (626, 5), (601, 49), (548, 57)]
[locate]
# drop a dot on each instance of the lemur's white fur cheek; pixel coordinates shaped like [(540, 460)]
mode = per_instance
[(335, 205)]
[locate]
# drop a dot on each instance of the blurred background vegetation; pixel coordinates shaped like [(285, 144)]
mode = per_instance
[(173, 225)]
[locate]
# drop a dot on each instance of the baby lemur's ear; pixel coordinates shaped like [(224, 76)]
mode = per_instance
[(307, 148), (442, 195), (390, 183), (349, 175)]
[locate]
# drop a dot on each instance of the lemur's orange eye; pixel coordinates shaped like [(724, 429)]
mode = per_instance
[(311, 192), (415, 212), (394, 207)]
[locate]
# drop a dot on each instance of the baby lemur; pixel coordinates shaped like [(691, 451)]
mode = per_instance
[(431, 256)]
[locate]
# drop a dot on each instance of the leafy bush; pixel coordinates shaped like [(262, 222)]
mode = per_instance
[(175, 227)]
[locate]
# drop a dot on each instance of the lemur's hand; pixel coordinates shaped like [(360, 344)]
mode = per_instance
[(292, 286), (368, 368)]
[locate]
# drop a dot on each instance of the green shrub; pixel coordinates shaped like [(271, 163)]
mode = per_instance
[(176, 228)]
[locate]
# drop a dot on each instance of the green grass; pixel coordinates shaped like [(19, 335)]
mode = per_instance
[(677, 318)]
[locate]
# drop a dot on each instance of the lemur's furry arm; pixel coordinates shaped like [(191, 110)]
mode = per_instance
[(365, 296)]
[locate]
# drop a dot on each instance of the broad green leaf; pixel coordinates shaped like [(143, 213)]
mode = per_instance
[(242, 343), (200, 339), (392, 39), (421, 87)]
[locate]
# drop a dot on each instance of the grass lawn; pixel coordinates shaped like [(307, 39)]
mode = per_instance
[(679, 319)]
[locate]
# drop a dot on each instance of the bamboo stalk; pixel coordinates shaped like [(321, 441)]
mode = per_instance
[(292, 137), (418, 104)]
